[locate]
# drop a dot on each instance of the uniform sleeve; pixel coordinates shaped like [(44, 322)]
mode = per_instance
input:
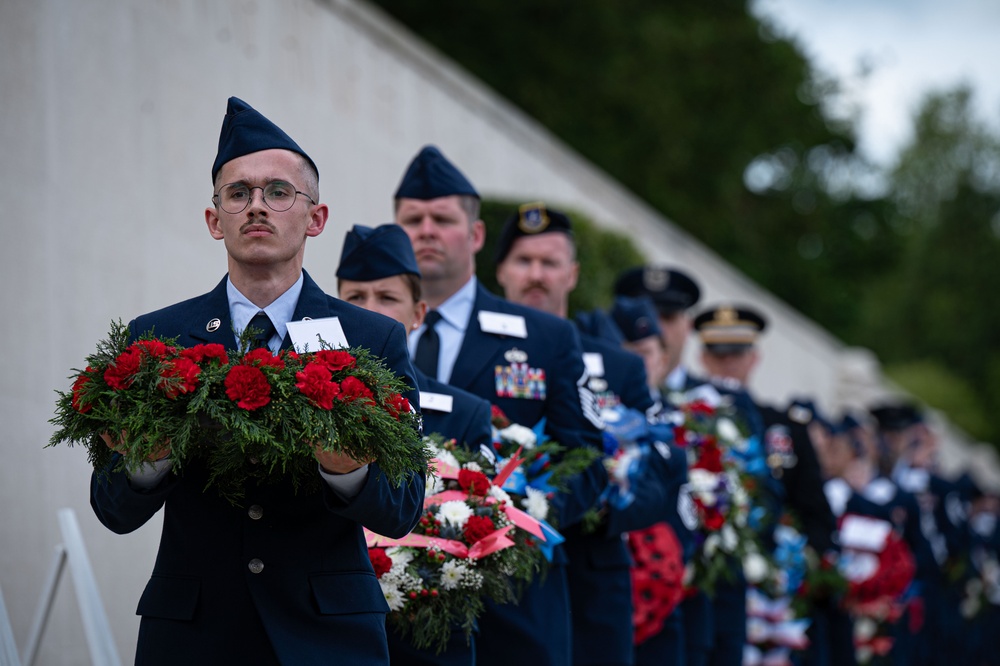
[(804, 492), (120, 507)]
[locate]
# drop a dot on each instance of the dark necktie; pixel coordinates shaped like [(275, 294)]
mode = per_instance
[(261, 322), (428, 347)]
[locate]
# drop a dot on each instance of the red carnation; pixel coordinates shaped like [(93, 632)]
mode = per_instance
[(314, 381), (477, 527), (154, 348), (396, 404), (381, 562), (352, 389), (81, 381), (248, 387), (262, 357), (710, 457), (498, 418), (335, 360), (713, 518), (121, 373), (474, 482), (183, 369), (200, 353), (700, 407)]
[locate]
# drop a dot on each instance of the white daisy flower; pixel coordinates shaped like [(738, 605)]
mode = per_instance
[(519, 435), (755, 568), (727, 430), (452, 574), (536, 503), (434, 485), (455, 512), (499, 494), (473, 466), (393, 596), (448, 458)]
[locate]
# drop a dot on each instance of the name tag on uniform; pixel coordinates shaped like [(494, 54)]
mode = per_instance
[(436, 402), (594, 363), (503, 324), (307, 334)]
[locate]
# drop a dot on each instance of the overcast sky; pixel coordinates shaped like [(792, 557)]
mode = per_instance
[(910, 47)]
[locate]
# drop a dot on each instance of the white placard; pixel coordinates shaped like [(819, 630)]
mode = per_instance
[(436, 402), (594, 363), (864, 533), (307, 334), (503, 324)]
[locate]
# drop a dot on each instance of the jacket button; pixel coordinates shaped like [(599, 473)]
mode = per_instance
[(256, 511), (256, 566)]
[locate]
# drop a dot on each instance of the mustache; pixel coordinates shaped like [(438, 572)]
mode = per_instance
[(257, 223)]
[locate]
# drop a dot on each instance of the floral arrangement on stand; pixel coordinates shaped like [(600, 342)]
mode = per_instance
[(723, 465), (471, 544), (879, 568), (776, 623), (247, 415)]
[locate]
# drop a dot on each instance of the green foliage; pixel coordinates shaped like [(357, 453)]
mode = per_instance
[(602, 255), (942, 389)]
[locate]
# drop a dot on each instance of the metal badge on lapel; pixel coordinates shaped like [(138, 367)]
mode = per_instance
[(519, 380), (515, 355), (213, 325), (779, 449)]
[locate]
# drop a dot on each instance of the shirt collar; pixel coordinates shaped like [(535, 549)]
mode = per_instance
[(280, 311), (458, 308)]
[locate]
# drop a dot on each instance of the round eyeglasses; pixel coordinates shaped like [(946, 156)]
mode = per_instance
[(278, 195)]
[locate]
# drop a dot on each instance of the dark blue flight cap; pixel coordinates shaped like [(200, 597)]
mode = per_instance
[(598, 324), (893, 417), (245, 131), (671, 290), (635, 317), (372, 254), (531, 219), (430, 176)]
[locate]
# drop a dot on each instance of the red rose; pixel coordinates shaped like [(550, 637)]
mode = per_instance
[(314, 381), (183, 369), (474, 482), (154, 348), (200, 353), (263, 358), (121, 373), (352, 389), (396, 405), (498, 418), (248, 387), (78, 385), (380, 561), (335, 360), (477, 527)]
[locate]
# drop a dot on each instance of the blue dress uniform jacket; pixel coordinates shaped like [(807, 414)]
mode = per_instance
[(600, 588), (505, 370), (468, 422), (285, 578)]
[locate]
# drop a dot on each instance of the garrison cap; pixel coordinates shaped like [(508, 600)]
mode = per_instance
[(531, 219), (671, 290), (892, 417), (372, 254), (430, 176), (804, 411), (245, 131), (635, 317), (726, 329)]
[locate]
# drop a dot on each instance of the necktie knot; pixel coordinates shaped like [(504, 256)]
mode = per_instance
[(263, 331)]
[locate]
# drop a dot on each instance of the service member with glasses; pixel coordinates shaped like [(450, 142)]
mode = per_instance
[(285, 579)]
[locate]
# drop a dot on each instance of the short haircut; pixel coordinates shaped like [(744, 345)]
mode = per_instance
[(468, 203)]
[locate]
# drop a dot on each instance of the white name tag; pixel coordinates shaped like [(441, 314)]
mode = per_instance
[(503, 324), (864, 533), (436, 402), (594, 363), (307, 334)]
